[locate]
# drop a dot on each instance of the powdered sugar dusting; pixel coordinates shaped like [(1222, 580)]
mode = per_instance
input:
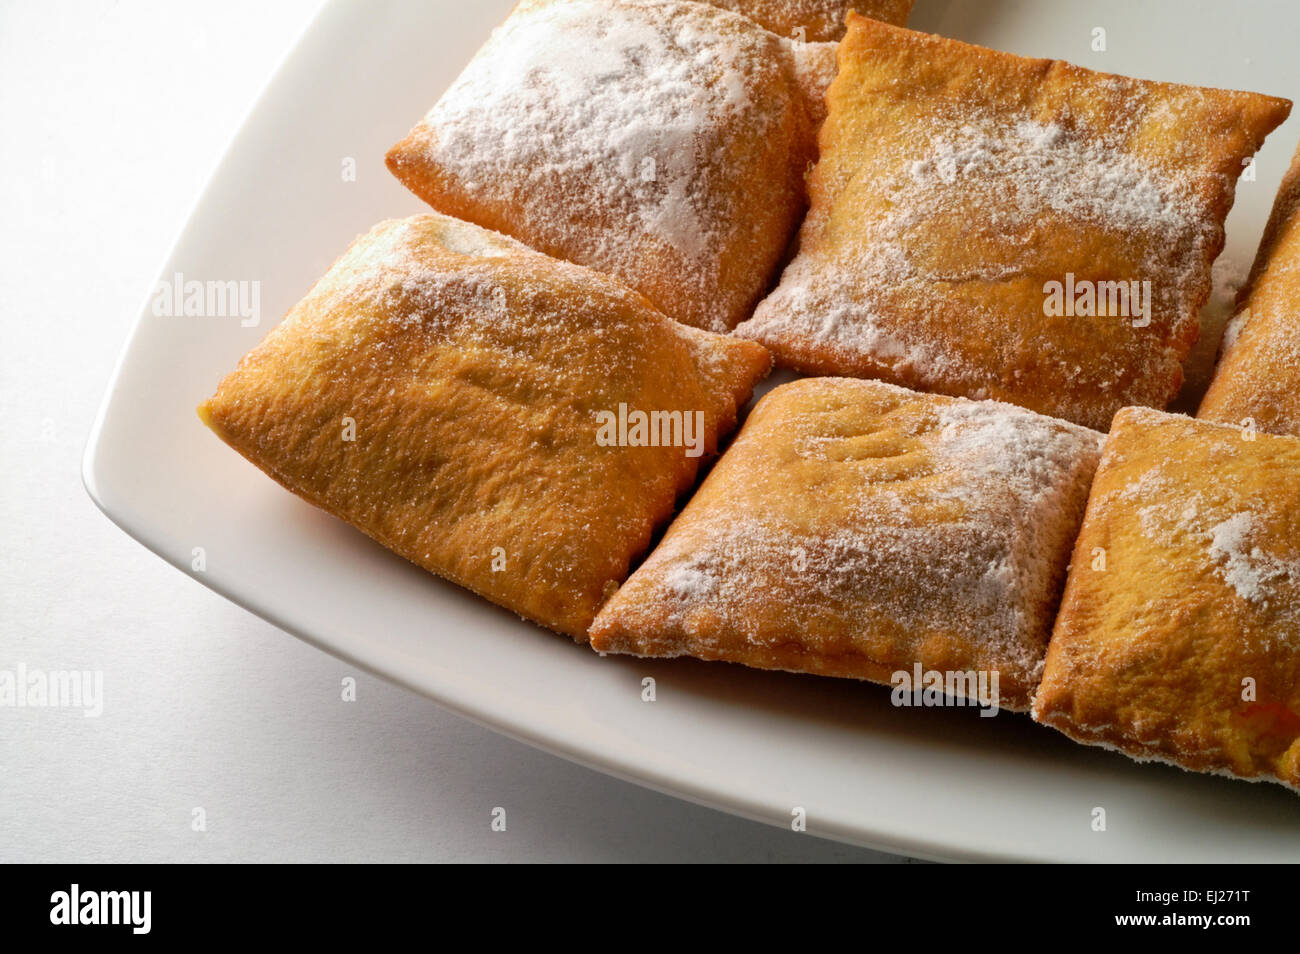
[(689, 583), (1246, 568), (863, 294), (397, 269), (1175, 516), (1034, 166), (818, 19), (440, 276), (581, 112), (1232, 331), (1229, 532), (1258, 375), (610, 128), (946, 516)]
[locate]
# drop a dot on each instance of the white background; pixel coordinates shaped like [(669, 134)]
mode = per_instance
[(112, 117)]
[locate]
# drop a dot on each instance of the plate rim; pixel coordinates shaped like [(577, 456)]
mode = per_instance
[(93, 482), (694, 788)]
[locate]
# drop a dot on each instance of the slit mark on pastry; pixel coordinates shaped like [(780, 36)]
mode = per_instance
[(854, 529)]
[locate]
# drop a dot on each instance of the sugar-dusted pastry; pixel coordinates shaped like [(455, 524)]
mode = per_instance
[(999, 227), (1179, 632), (815, 65), (663, 143), (1258, 378), (815, 19), (858, 529), (513, 423)]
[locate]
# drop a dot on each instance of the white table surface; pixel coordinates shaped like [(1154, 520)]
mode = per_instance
[(112, 116)]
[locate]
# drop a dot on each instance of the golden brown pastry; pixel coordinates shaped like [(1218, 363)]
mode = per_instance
[(858, 529), (663, 143), (1258, 377), (1179, 632), (817, 19), (815, 66), (482, 410), (999, 227)]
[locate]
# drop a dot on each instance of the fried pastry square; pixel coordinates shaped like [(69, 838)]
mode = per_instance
[(858, 529), (815, 20), (1258, 377), (1179, 632), (991, 226), (450, 393), (663, 143)]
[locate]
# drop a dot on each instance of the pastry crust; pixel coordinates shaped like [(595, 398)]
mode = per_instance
[(815, 66), (818, 19), (473, 372), (1199, 591), (662, 143), (855, 529), (955, 183), (1258, 377)]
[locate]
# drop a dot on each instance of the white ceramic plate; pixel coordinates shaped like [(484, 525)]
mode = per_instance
[(931, 783)]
